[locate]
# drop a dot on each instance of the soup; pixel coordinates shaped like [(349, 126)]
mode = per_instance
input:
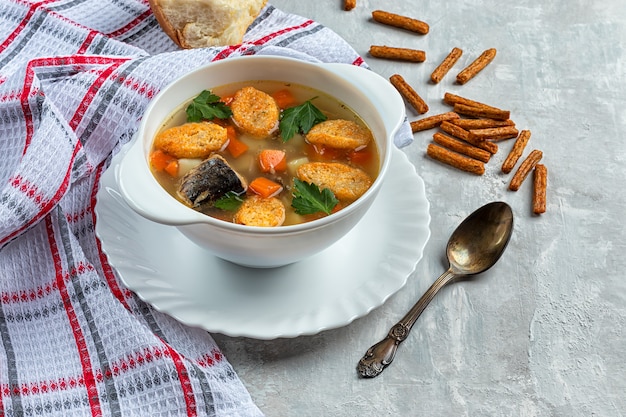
[(265, 153)]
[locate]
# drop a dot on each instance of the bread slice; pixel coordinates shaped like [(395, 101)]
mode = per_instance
[(258, 211), (192, 140), (204, 23), (346, 182), (339, 133), (255, 112)]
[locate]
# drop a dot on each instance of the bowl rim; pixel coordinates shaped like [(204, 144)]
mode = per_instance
[(335, 70)]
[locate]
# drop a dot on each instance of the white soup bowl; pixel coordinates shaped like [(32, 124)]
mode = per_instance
[(372, 97)]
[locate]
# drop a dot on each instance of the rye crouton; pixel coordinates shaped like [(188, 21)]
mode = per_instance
[(259, 211), (339, 133), (346, 182), (255, 112), (192, 140)]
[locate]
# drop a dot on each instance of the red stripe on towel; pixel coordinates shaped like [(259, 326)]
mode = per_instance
[(81, 344), (130, 25), (226, 52), (20, 27), (47, 206)]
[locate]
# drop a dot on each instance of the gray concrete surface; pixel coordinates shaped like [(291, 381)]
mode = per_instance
[(542, 333)]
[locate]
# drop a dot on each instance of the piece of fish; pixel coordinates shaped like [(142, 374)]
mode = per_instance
[(209, 181)]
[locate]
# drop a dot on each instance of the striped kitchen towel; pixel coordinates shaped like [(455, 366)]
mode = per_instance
[(75, 78)]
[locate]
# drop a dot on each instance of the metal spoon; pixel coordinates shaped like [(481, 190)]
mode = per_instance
[(475, 246)]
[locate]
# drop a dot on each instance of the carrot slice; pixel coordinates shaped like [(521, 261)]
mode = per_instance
[(160, 160), (227, 99), (361, 157), (324, 153), (284, 98), (231, 132), (272, 160), (221, 122), (337, 207), (235, 146), (172, 168), (265, 187)]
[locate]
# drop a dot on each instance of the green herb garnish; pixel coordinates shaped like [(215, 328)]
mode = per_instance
[(308, 199), (207, 106), (299, 119), (229, 201)]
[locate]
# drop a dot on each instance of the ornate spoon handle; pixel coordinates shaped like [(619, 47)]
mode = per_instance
[(379, 356)]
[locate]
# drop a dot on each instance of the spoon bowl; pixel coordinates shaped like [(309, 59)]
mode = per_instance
[(474, 247), (480, 239)]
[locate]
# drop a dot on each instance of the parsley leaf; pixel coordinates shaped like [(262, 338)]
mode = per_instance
[(299, 119), (308, 199), (229, 201), (207, 106)]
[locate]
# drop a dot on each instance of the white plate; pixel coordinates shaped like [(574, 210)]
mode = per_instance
[(328, 290)]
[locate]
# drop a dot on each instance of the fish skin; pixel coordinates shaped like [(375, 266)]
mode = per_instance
[(209, 181)]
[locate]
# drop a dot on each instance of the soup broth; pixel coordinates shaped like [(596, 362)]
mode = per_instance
[(298, 150)]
